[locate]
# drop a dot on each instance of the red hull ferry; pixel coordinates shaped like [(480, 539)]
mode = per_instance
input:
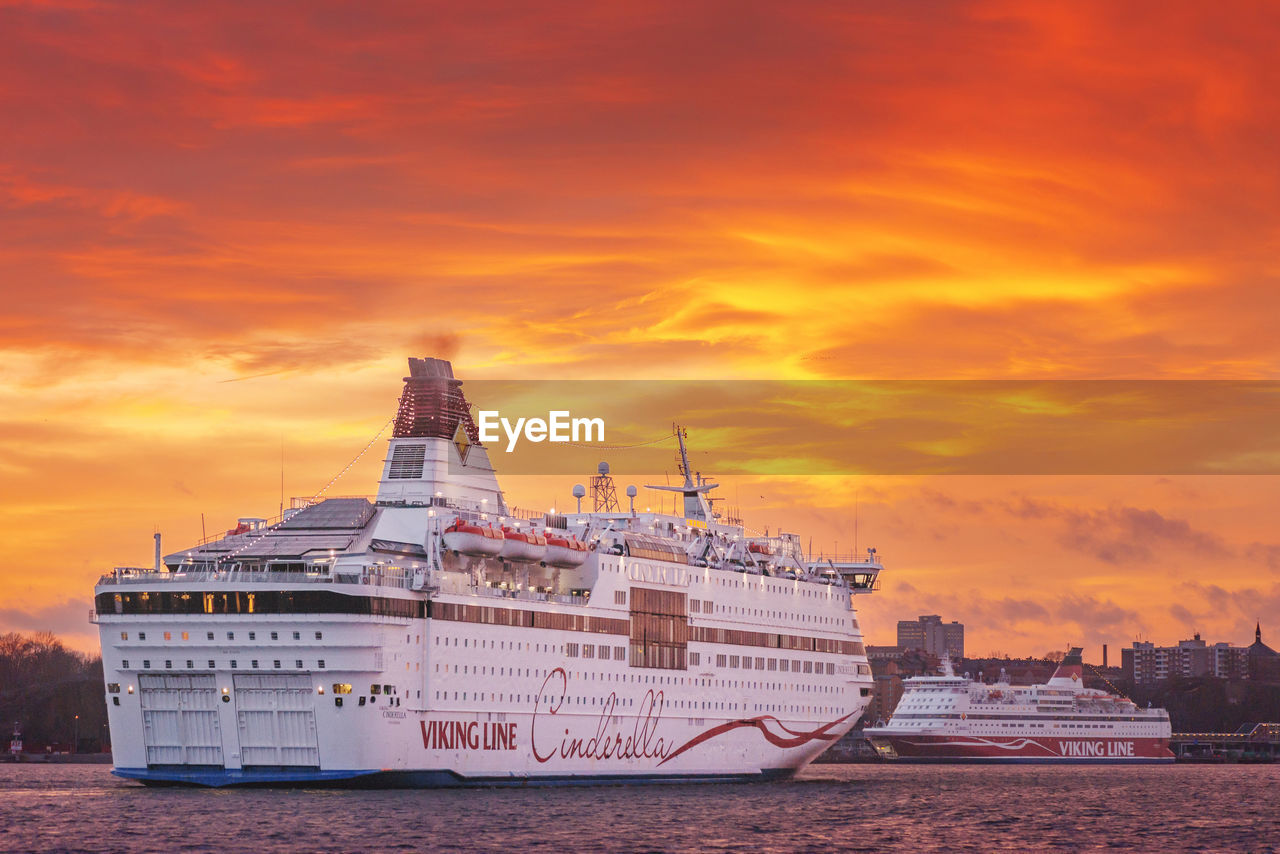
[(952, 718)]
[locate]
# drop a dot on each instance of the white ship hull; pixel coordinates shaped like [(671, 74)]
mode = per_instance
[(469, 703)]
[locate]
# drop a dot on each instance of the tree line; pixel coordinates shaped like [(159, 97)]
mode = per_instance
[(54, 693)]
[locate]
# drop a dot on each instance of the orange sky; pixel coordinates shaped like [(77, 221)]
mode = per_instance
[(223, 227)]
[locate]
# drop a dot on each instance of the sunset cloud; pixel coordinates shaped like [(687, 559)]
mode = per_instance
[(224, 229)]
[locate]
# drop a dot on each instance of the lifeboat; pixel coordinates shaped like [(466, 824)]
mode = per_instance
[(523, 546), (469, 538), (565, 551), (759, 549)]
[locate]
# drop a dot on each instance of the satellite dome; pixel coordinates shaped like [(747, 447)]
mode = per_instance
[(603, 468)]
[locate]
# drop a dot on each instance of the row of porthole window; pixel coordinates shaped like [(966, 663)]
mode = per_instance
[(235, 664), (628, 702), (745, 662), (209, 636), (643, 679), (640, 678), (707, 606)]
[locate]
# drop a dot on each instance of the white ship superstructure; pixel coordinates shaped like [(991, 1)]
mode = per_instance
[(436, 636), (952, 718)]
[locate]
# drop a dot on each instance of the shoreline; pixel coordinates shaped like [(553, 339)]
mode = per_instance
[(58, 759)]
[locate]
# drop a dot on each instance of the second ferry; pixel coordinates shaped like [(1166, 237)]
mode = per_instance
[(952, 718)]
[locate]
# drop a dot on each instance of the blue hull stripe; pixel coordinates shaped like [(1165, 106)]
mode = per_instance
[(1026, 760), (422, 779)]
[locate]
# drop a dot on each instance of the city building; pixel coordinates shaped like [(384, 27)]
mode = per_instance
[(1147, 664), (1016, 671), (932, 636), (1264, 662)]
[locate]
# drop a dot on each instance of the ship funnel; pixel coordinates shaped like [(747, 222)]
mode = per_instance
[(435, 455), (1071, 669)]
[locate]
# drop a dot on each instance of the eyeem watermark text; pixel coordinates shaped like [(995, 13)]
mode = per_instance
[(558, 426)]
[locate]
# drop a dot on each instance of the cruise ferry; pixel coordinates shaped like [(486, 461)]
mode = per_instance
[(951, 718), (436, 636)]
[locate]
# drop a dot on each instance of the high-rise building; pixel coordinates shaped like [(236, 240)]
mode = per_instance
[(1148, 664), (932, 636)]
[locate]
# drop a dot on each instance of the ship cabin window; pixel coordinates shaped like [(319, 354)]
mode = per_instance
[(124, 665), (124, 636), (784, 665), (233, 664), (212, 664), (297, 635), (275, 636), (142, 635), (320, 664), (191, 665), (254, 664), (342, 687), (388, 689), (168, 636), (695, 659), (375, 689), (208, 635), (619, 653), (168, 664), (319, 635), (113, 688), (253, 635), (297, 664), (185, 636), (276, 664), (231, 635)]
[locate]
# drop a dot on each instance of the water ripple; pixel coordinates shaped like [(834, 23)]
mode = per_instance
[(81, 808)]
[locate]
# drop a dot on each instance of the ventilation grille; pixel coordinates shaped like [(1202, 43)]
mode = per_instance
[(407, 461)]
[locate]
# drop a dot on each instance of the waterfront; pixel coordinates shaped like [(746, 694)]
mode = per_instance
[(828, 808)]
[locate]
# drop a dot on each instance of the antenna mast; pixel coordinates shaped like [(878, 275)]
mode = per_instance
[(681, 433), (604, 498)]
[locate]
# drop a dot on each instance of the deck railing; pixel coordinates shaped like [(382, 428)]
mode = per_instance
[(383, 576), (876, 559)]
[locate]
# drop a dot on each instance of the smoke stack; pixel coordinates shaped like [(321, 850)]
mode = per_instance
[(157, 551), (1104, 655)]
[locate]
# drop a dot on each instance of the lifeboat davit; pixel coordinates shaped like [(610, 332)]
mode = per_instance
[(565, 552), (469, 538), (523, 546)]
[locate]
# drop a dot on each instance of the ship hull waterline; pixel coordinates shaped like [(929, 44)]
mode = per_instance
[(1021, 750)]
